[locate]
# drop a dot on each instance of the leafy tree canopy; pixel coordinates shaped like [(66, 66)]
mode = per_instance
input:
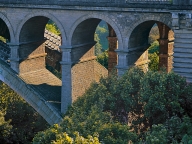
[(140, 107), (24, 120), (5, 129)]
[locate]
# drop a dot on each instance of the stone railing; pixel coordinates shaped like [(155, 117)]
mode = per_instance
[(99, 3), (74, 2), (150, 1)]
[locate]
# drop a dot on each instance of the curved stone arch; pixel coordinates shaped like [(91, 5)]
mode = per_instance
[(45, 14), (161, 18), (7, 22), (101, 17)]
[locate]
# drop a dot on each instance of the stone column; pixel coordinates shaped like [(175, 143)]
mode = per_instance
[(113, 44), (112, 59), (14, 59), (165, 48), (165, 54), (66, 92), (77, 72), (122, 66)]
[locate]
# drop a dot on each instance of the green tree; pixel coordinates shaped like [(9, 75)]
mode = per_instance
[(52, 27), (103, 33), (2, 39), (98, 47), (5, 129), (54, 135), (90, 115), (156, 105), (103, 59), (25, 121), (154, 56)]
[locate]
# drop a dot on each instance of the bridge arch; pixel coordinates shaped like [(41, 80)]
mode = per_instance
[(31, 56), (9, 26), (138, 41), (42, 14), (99, 17), (152, 19)]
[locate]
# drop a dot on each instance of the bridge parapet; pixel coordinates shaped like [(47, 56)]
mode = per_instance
[(150, 1), (80, 1), (68, 4), (83, 2), (86, 4)]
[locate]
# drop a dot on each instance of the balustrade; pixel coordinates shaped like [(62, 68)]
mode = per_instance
[(71, 2)]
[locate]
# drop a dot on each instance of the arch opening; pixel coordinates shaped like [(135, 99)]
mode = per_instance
[(94, 42), (4, 32), (4, 39), (39, 58), (153, 40)]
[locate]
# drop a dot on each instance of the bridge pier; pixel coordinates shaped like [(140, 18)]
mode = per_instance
[(79, 70), (66, 91), (122, 61), (112, 55), (165, 47), (113, 45), (14, 59)]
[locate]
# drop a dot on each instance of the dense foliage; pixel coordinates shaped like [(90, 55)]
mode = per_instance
[(101, 34), (2, 39), (103, 59), (22, 121), (5, 129), (152, 107), (52, 27), (154, 49), (55, 135), (154, 56)]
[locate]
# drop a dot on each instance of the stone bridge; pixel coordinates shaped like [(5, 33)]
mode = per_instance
[(22, 64)]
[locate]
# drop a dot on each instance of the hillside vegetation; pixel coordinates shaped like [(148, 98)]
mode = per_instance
[(152, 108)]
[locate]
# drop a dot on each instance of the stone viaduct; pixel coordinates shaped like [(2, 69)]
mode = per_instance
[(22, 64)]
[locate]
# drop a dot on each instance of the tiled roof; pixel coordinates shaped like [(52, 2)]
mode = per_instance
[(53, 41)]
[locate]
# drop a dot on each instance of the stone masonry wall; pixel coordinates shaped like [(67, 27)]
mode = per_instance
[(32, 57), (83, 74), (86, 71)]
